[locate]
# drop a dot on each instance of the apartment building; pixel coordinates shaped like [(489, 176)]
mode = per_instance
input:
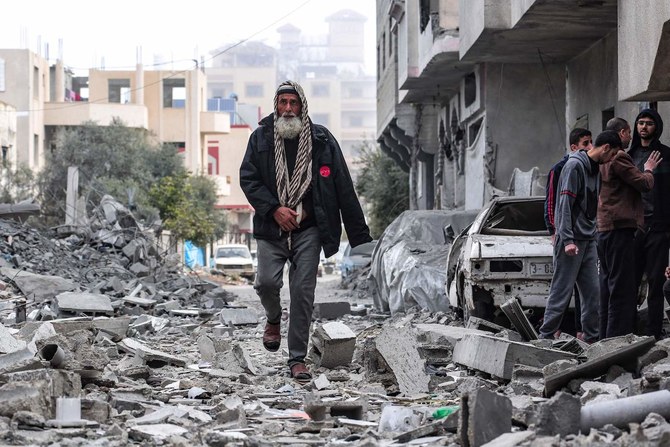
[(170, 104), (477, 98)]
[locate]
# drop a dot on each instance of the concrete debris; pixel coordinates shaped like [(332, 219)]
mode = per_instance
[(103, 318)]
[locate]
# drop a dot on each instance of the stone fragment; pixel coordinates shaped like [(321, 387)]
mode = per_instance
[(559, 416), (333, 345), (152, 357), (331, 310), (238, 316), (483, 416), (156, 432), (441, 334), (8, 343), (41, 287)]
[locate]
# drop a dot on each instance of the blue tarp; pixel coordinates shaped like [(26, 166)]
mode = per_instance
[(194, 256)]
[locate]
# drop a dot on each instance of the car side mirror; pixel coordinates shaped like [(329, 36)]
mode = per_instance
[(449, 234)]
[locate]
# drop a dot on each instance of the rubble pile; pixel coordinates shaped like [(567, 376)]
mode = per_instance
[(94, 351)]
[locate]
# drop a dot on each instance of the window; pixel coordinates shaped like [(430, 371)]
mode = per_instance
[(174, 93), (355, 92), (118, 91), (608, 114), (253, 90), (470, 93), (320, 118), (36, 82), (321, 90), (356, 121)]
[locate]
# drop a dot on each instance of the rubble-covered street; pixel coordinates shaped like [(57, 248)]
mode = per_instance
[(106, 342)]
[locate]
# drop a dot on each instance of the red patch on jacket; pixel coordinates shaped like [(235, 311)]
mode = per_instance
[(324, 171)]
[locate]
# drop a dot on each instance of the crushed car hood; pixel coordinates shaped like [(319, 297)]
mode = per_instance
[(494, 246)]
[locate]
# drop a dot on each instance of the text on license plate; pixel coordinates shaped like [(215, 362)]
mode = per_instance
[(541, 268)]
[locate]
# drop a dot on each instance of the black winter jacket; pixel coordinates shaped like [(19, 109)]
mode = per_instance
[(660, 220), (332, 188)]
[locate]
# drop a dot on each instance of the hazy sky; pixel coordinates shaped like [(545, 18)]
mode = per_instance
[(92, 32)]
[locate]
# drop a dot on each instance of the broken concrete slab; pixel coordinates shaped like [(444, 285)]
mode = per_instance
[(21, 360), (397, 346), (559, 415), (152, 357), (83, 302), (441, 333), (333, 345), (497, 356), (39, 287), (598, 366)]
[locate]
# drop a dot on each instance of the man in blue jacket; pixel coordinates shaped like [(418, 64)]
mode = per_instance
[(295, 176)]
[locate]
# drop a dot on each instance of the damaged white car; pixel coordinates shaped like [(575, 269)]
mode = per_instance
[(506, 252)]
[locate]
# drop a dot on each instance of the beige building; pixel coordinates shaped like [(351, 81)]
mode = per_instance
[(170, 104)]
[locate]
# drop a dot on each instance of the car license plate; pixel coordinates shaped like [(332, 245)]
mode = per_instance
[(541, 268)]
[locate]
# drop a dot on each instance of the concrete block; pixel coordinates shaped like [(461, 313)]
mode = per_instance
[(483, 416), (155, 433), (238, 316), (23, 396), (497, 356), (318, 409), (22, 360), (333, 344), (116, 328), (83, 302), (331, 310)]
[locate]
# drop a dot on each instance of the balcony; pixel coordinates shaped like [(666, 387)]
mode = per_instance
[(518, 31), (213, 123), (76, 113)]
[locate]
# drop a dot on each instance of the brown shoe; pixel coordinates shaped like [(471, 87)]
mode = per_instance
[(272, 337), (300, 372)]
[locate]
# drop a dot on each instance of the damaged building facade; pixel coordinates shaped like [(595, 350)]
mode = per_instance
[(477, 98)]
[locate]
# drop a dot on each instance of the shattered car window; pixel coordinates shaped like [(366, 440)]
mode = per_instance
[(522, 218)]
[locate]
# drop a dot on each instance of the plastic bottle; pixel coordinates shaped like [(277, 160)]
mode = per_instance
[(443, 412)]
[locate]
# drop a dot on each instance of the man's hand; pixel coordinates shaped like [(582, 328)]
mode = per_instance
[(653, 161), (571, 250), (286, 218), (553, 239), (667, 272)]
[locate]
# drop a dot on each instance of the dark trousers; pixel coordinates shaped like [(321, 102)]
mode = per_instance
[(304, 257), (618, 291), (651, 257)]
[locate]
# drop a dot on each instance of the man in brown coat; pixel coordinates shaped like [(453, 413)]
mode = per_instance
[(620, 213)]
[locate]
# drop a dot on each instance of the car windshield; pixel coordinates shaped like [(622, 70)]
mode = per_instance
[(525, 217), (233, 252)]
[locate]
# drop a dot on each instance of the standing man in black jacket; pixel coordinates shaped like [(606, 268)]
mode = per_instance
[(294, 175), (651, 241)]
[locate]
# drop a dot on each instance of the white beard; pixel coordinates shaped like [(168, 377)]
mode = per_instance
[(288, 127)]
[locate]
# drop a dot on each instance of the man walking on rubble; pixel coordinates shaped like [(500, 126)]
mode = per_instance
[(294, 175), (620, 213), (651, 239), (579, 138), (575, 256)]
